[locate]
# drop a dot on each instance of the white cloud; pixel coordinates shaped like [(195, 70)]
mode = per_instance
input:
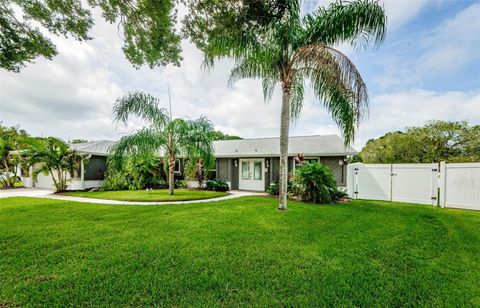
[(453, 44), (395, 111), (72, 96)]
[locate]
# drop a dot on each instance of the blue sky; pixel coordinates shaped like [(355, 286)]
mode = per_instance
[(427, 68)]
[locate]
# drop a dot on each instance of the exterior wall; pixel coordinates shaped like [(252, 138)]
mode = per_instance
[(226, 170), (340, 172)]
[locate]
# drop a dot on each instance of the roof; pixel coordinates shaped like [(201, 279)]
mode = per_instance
[(99, 148), (317, 145)]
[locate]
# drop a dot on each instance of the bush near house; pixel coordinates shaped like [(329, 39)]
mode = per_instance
[(217, 185), (315, 183)]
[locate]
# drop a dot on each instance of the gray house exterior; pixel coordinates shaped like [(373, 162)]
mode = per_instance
[(253, 164), (245, 164)]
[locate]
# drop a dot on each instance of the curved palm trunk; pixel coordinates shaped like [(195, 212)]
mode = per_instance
[(171, 173), (284, 127)]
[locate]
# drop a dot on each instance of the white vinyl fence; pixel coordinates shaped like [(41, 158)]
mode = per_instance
[(447, 185)]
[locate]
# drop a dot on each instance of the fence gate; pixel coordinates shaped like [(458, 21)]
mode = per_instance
[(372, 181), (415, 183)]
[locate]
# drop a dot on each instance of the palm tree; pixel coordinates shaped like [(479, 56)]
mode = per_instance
[(163, 134), (289, 49), (53, 156)]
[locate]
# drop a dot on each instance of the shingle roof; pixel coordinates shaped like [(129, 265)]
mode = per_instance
[(100, 147), (318, 145)]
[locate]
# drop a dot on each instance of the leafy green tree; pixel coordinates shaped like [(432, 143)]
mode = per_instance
[(12, 139), (163, 134), (218, 135), (148, 29), (436, 141), (53, 156), (271, 40), (78, 140)]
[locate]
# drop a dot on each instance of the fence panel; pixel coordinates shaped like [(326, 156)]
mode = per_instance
[(461, 186), (415, 183), (372, 181)]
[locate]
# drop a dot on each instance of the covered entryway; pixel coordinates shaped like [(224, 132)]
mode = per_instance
[(251, 175)]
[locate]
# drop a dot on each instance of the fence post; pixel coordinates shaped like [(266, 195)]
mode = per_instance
[(442, 184)]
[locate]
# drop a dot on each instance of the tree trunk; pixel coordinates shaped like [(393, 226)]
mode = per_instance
[(284, 126), (171, 173)]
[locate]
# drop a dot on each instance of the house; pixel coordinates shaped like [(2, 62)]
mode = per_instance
[(245, 164), (252, 164)]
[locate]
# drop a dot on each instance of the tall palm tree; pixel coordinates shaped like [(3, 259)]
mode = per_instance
[(289, 48), (163, 134)]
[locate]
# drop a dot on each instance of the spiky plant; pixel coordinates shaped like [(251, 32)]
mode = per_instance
[(163, 135), (270, 40)]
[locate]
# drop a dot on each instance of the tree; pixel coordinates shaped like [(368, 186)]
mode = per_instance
[(78, 140), (436, 141), (148, 29), (53, 156), (12, 139), (218, 135), (270, 40), (163, 134)]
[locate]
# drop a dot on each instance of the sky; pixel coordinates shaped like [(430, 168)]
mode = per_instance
[(428, 68)]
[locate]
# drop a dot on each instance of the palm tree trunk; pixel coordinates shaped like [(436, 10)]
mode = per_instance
[(284, 127), (171, 173)]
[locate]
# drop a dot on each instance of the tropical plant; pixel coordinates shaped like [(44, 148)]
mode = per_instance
[(53, 156), (200, 173), (12, 139), (314, 183), (134, 172), (217, 185), (163, 135), (272, 41)]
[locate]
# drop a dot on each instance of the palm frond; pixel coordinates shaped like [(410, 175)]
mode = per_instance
[(336, 83), (142, 105), (268, 85), (356, 22), (141, 142), (296, 96), (195, 138)]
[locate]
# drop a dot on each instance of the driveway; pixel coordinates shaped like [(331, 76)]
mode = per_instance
[(24, 192)]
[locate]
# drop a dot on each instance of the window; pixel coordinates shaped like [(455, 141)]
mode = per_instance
[(177, 165), (306, 160), (257, 170), (245, 170)]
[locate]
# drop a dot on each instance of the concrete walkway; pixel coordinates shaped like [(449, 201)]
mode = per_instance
[(41, 193)]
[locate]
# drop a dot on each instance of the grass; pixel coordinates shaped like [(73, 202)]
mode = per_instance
[(154, 195), (239, 252)]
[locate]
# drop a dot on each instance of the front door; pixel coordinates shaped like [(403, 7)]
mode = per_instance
[(252, 175)]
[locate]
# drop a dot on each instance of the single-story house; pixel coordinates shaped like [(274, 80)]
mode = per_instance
[(252, 164), (245, 164)]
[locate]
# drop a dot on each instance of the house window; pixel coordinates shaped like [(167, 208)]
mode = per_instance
[(177, 165), (245, 170), (257, 171)]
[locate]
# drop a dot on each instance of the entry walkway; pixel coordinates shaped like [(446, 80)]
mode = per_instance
[(41, 193)]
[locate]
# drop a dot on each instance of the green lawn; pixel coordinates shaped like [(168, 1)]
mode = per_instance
[(239, 252), (154, 195)]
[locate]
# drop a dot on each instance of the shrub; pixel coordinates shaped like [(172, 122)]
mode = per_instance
[(315, 183), (217, 185), (273, 189), (181, 184)]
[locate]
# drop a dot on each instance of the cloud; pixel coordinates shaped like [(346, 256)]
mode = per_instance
[(395, 111), (454, 44), (72, 96)]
